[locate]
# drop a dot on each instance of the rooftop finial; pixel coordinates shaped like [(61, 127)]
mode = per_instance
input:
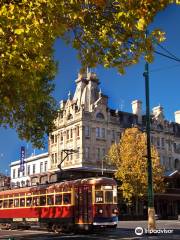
[(100, 93), (69, 95)]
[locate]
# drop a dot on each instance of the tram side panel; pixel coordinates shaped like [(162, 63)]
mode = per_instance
[(83, 209), (82, 203)]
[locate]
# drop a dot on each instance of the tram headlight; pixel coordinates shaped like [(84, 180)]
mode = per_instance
[(100, 211)]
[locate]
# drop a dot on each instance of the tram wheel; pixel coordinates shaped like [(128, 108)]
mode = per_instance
[(53, 227), (58, 228)]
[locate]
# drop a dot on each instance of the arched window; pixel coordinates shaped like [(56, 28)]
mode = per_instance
[(22, 183), (27, 183), (70, 116), (18, 184), (99, 115), (53, 178)]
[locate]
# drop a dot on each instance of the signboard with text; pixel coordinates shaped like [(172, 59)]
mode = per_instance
[(22, 159)]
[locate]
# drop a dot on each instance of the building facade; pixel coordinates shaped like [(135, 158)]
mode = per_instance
[(4, 182), (34, 168), (86, 124)]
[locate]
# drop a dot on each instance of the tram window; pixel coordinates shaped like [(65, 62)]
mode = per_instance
[(35, 201), (108, 196), (115, 194), (58, 199), (99, 197), (22, 202), (16, 202), (5, 204), (115, 199), (10, 203), (1, 203), (29, 201), (50, 200), (42, 200), (66, 198)]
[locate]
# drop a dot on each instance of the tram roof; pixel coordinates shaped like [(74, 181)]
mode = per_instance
[(63, 184)]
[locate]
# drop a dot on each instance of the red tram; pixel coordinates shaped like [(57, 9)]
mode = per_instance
[(68, 205)]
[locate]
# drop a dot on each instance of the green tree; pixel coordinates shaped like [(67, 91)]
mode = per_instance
[(129, 157), (104, 32)]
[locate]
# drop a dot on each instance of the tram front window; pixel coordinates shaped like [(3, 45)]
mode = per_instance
[(106, 194), (109, 196), (99, 197)]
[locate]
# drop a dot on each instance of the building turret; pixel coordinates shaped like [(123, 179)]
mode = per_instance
[(81, 82), (93, 88)]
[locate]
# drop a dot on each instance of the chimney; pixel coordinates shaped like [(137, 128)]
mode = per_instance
[(158, 113), (137, 109), (177, 116)]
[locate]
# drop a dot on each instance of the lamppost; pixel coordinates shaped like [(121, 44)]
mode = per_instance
[(151, 210)]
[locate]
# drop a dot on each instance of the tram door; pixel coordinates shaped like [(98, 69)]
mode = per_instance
[(83, 204)]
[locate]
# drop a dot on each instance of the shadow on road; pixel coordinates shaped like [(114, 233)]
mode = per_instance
[(115, 234)]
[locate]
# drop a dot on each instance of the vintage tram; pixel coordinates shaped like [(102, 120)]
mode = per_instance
[(68, 205)]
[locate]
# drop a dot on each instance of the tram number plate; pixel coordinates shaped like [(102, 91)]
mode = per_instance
[(17, 219), (31, 219)]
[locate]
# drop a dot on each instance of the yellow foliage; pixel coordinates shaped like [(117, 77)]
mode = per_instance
[(112, 31), (141, 24), (129, 156)]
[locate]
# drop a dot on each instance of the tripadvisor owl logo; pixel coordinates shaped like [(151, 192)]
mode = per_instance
[(139, 231)]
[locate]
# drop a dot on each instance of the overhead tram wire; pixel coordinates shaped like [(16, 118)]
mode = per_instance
[(164, 55), (167, 51), (162, 68), (170, 56)]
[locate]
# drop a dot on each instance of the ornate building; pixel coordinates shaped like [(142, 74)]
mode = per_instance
[(86, 124)]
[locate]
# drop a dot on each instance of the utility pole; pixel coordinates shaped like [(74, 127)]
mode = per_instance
[(151, 210)]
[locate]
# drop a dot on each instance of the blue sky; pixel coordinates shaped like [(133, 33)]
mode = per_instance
[(164, 83)]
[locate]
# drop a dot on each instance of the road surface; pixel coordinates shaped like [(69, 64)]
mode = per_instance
[(125, 231)]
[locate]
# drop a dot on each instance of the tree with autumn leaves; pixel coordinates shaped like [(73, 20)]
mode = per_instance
[(130, 158), (106, 32)]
